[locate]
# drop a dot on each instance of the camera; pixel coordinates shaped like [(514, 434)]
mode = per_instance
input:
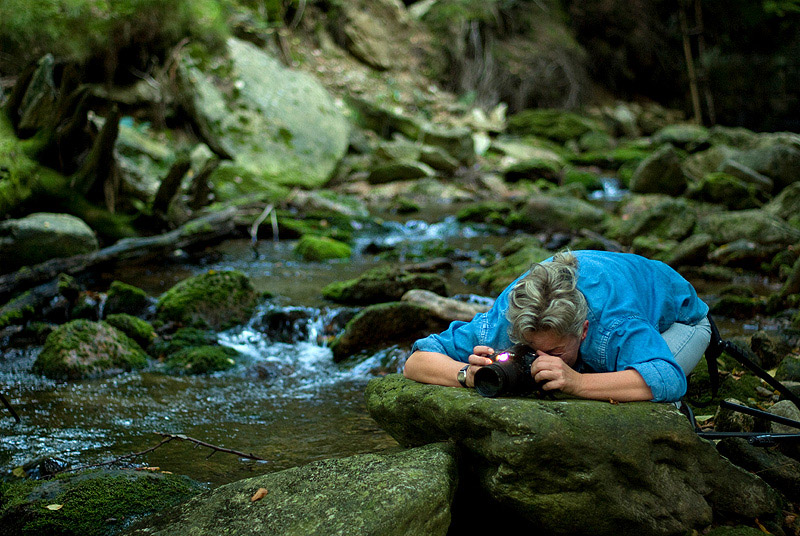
[(509, 374)]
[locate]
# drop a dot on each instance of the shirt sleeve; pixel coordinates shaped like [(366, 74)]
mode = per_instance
[(459, 340), (637, 345)]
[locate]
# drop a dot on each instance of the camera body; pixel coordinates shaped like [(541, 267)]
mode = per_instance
[(510, 374)]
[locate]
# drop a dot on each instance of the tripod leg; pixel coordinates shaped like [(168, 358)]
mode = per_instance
[(8, 405)]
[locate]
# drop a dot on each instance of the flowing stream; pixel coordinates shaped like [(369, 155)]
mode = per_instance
[(286, 402)]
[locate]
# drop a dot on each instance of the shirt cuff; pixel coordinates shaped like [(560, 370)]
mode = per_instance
[(665, 385)]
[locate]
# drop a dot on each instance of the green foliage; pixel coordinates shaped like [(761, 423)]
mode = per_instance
[(80, 30)]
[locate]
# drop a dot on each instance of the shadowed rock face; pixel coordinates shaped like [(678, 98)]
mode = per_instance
[(403, 494), (577, 466)]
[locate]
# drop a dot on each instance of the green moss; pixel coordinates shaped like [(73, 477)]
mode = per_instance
[(125, 298), (93, 503), (503, 272), (202, 359), (556, 125), (16, 311), (382, 284), (83, 349), (320, 248), (182, 339), (135, 328), (216, 300)]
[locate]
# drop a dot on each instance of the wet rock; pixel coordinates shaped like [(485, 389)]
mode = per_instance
[(375, 32), (277, 125), (786, 205), (666, 218), (85, 349), (125, 298), (398, 171), (518, 256), (763, 184), (533, 169), (382, 285), (686, 136), (201, 359), (776, 469), (692, 251), (788, 410), (737, 302), (321, 248), (779, 162), (405, 494), (91, 502), (742, 253), (42, 236), (660, 172), (556, 125), (788, 369), (287, 324), (135, 328), (558, 213), (553, 461), (729, 420), (770, 349), (217, 300), (725, 189), (698, 165), (448, 309), (385, 324), (754, 225)]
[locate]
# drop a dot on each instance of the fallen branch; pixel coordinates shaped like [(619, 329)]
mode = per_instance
[(166, 439), (201, 230)]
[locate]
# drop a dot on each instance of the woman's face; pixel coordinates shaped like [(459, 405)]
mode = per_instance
[(550, 342)]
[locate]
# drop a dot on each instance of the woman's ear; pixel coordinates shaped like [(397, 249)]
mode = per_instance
[(585, 329)]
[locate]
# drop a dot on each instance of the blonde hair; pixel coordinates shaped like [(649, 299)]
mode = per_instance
[(548, 299)]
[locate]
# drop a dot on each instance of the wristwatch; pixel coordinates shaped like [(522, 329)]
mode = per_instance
[(462, 376)]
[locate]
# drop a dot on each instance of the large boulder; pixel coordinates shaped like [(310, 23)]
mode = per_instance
[(577, 466), (660, 173), (754, 225), (382, 285), (216, 300), (85, 349), (382, 325), (558, 213), (96, 502), (278, 125), (43, 236), (405, 494), (779, 161)]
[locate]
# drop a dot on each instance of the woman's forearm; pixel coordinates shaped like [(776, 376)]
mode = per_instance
[(432, 367), (622, 386)]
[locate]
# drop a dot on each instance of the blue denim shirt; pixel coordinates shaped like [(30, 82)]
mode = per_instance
[(632, 300)]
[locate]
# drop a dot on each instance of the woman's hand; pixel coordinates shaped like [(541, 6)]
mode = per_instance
[(553, 373), (479, 358)]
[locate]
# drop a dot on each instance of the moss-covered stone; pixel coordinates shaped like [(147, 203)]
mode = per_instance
[(727, 190), (659, 173), (754, 225), (183, 338), (494, 212), (322, 248), (83, 349), (788, 369), (557, 213), (125, 298), (556, 125), (503, 272), (385, 324), (382, 285), (216, 300), (553, 461), (135, 328), (740, 307), (202, 359), (16, 311), (406, 493), (92, 503)]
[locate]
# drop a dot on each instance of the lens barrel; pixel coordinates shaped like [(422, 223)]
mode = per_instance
[(503, 378)]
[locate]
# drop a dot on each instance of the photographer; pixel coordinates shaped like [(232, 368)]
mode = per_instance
[(604, 326)]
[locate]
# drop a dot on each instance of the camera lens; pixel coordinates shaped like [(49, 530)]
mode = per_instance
[(490, 381)]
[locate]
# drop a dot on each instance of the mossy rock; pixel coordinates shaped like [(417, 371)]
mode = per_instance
[(494, 212), (91, 503), (202, 359), (725, 189), (322, 248), (125, 298), (556, 125), (382, 285), (788, 369), (84, 349), (503, 272), (135, 328), (740, 307), (215, 300), (182, 339)]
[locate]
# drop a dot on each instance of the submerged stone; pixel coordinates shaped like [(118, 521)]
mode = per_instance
[(404, 494), (321, 248), (216, 300), (84, 349), (558, 463)]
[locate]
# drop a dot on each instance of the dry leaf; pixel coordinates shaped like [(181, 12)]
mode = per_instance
[(19, 472), (612, 401), (148, 469), (258, 495), (54, 506)]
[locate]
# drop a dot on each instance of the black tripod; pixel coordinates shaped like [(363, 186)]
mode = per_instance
[(715, 348)]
